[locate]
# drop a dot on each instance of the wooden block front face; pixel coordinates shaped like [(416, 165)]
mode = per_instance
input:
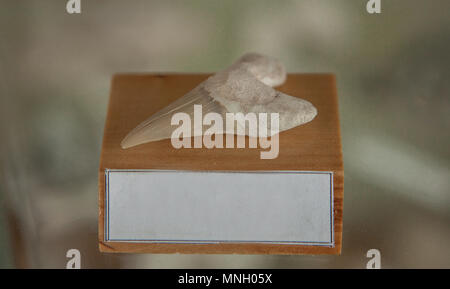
[(315, 146)]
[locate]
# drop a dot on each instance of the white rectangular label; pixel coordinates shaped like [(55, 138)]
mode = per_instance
[(281, 207)]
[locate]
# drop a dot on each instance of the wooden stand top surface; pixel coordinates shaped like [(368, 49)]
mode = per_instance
[(315, 146)]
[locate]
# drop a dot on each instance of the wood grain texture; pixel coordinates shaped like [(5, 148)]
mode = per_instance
[(315, 146)]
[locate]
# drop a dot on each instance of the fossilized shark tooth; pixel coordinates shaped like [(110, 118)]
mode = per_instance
[(244, 87)]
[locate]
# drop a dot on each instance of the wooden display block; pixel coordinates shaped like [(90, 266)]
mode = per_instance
[(313, 147)]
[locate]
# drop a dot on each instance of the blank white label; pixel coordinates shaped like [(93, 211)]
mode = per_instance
[(282, 207)]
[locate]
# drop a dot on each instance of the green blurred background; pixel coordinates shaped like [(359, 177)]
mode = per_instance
[(393, 73)]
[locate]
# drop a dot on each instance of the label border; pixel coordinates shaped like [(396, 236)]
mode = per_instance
[(156, 241)]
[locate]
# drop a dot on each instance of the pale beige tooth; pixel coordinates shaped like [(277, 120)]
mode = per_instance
[(245, 87)]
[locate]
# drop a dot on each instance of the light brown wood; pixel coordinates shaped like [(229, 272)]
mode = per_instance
[(315, 146)]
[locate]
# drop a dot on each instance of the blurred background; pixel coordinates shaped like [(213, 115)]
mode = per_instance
[(393, 76)]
